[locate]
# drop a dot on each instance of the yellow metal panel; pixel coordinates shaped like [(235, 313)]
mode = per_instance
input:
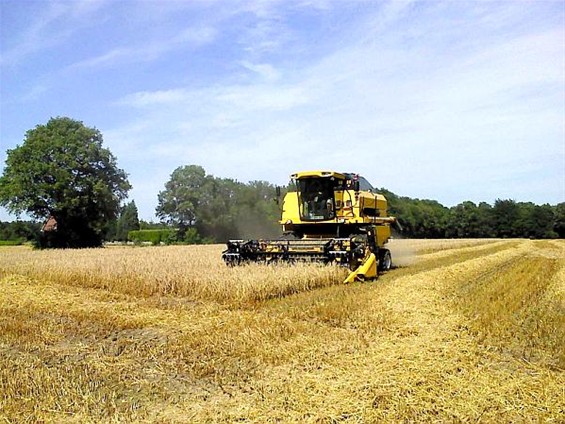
[(307, 174), (351, 208), (367, 270), (290, 208), (382, 233)]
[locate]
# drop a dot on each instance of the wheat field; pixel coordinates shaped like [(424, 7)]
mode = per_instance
[(459, 331)]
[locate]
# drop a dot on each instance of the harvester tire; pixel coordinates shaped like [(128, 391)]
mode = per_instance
[(385, 260)]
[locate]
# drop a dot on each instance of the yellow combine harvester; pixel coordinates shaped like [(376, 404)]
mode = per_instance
[(327, 217)]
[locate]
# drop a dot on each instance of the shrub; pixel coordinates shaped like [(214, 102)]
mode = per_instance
[(154, 237), (17, 242)]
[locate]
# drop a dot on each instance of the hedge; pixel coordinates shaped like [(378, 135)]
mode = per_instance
[(154, 237), (11, 242)]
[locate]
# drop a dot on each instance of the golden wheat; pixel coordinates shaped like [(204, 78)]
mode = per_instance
[(194, 272), (466, 331)]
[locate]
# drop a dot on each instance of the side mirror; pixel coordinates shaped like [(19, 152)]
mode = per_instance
[(278, 192), (356, 185)]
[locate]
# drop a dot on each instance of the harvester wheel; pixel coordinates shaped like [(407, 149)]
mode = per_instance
[(385, 260)]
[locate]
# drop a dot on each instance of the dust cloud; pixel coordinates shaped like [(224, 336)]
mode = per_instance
[(252, 226), (403, 254)]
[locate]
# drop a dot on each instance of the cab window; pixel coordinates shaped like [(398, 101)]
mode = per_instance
[(316, 199)]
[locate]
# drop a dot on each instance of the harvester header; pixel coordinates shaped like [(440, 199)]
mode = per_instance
[(328, 217)]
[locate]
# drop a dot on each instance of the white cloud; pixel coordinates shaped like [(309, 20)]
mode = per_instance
[(112, 57), (265, 70), (152, 98), (195, 36), (188, 38), (262, 98)]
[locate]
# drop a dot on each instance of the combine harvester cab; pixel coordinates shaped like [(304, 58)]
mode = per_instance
[(327, 217)]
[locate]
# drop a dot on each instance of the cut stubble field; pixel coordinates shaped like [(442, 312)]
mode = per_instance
[(460, 331)]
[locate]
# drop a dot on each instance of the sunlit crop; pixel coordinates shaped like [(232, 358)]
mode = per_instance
[(193, 272), (461, 331)]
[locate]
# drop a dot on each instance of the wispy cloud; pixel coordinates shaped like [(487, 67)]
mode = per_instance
[(186, 39), (265, 70), (50, 28), (155, 98)]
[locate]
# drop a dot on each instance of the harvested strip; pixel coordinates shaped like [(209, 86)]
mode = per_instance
[(453, 256), (505, 307)]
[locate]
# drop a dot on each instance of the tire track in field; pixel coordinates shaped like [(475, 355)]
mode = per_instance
[(511, 307), (414, 290), (450, 257), (423, 366), (434, 344)]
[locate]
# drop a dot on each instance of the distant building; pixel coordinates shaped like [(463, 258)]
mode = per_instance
[(50, 225)]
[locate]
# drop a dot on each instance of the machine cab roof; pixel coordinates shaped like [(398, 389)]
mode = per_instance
[(364, 185), (322, 174)]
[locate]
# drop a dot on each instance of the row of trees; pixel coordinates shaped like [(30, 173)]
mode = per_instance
[(506, 218), (18, 232), (203, 208), (250, 213), (63, 173)]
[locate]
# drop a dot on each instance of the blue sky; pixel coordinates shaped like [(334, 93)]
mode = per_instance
[(451, 100)]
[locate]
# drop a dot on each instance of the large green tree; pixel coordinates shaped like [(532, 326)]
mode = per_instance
[(128, 221), (184, 195), (217, 208), (506, 214), (62, 170)]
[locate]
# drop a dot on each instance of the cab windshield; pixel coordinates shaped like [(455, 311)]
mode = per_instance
[(316, 199)]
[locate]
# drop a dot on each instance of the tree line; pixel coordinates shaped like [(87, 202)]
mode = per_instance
[(62, 173), (196, 207), (218, 209), (506, 218), (201, 208)]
